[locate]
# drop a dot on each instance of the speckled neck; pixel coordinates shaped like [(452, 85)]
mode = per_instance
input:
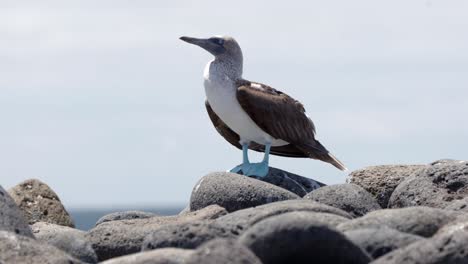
[(228, 66)]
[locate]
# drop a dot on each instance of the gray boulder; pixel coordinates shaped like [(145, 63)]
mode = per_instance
[(122, 237), (124, 216), (223, 251), (159, 256), (381, 181), (241, 220), (185, 235), (380, 241), (422, 221), (448, 246), (11, 216), (435, 186), (348, 197), (40, 203), (234, 192), (292, 182), (21, 249), (297, 236), (68, 239)]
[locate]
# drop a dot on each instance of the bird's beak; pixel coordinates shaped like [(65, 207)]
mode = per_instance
[(206, 44), (194, 41)]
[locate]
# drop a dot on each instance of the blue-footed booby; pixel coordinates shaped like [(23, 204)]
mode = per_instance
[(252, 115)]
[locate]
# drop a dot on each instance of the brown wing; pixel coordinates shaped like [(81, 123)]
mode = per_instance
[(282, 117), (233, 138), (275, 112)]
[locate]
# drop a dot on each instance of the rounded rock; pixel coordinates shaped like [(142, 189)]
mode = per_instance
[(20, 249), (11, 216), (442, 248), (40, 203), (422, 221), (292, 182), (234, 192), (68, 239), (226, 251), (435, 186), (347, 197), (297, 236), (185, 235), (241, 220), (381, 181), (124, 216), (159, 256), (380, 241), (117, 238)]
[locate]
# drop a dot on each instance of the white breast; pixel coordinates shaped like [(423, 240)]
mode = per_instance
[(221, 94)]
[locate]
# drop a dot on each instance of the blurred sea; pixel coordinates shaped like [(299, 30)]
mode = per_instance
[(86, 218)]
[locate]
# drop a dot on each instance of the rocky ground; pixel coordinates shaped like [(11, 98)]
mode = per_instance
[(384, 214)]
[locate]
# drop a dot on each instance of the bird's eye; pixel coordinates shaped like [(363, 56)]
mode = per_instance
[(218, 41)]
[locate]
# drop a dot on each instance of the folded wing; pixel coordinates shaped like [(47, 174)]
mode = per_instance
[(282, 117)]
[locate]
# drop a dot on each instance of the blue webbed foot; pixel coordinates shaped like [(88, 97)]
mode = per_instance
[(252, 169), (257, 169), (239, 169)]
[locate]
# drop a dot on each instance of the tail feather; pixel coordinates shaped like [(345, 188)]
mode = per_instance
[(318, 151), (334, 161)]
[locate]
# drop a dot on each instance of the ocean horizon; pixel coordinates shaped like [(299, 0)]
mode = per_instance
[(86, 218)]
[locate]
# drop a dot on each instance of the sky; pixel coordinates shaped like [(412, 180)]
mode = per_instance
[(103, 102)]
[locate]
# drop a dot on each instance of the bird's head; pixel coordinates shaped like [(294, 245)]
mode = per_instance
[(220, 46)]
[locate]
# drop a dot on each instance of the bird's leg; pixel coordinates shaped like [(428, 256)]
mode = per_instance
[(266, 158), (245, 160), (245, 153), (260, 169)]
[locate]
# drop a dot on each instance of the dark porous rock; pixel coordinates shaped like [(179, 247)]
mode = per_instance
[(185, 235), (422, 221), (348, 197), (68, 239), (21, 249), (124, 216), (458, 205), (448, 246), (224, 251), (298, 236), (234, 192), (381, 181), (379, 241), (159, 256), (239, 221), (435, 186), (292, 182), (40, 203), (122, 237), (11, 216)]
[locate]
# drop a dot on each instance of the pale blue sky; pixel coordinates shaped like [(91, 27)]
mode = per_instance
[(87, 88)]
